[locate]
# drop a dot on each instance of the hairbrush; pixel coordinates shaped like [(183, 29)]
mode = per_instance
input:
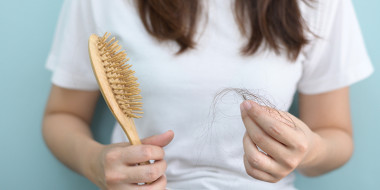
[(117, 83)]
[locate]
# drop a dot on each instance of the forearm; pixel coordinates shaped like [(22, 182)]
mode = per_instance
[(69, 139), (332, 149)]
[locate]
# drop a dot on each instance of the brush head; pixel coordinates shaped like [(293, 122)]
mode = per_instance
[(114, 74)]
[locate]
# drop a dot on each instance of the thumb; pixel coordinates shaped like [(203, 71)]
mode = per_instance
[(159, 140), (246, 107)]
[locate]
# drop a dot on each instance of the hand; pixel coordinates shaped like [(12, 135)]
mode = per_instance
[(117, 164), (285, 140)]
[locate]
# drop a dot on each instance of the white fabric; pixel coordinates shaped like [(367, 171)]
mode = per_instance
[(178, 91)]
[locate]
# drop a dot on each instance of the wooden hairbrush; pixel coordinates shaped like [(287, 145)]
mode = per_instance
[(117, 83)]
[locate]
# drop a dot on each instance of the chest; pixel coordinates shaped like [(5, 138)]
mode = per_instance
[(198, 74)]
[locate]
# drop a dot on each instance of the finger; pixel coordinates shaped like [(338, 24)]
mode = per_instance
[(267, 120), (145, 173), (160, 183), (259, 160), (268, 144), (142, 153), (258, 174), (160, 140)]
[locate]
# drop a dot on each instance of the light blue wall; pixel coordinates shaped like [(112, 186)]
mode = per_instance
[(362, 172), (26, 31)]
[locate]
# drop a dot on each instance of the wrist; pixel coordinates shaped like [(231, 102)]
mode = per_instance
[(313, 156), (91, 163)]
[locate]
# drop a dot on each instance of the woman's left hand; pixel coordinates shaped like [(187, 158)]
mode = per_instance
[(286, 142)]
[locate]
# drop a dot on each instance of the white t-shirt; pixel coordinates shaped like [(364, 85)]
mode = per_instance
[(207, 151)]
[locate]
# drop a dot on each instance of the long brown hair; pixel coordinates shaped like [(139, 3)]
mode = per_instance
[(277, 24)]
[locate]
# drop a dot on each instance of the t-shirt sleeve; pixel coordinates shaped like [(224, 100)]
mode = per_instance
[(69, 59), (337, 57)]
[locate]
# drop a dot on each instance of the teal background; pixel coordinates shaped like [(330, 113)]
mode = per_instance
[(26, 33)]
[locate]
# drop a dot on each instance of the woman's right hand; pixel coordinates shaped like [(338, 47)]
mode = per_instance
[(116, 166)]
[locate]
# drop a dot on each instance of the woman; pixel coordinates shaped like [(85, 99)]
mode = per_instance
[(184, 52)]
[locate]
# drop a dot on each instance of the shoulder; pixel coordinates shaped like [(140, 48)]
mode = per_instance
[(97, 14), (320, 15), (98, 5)]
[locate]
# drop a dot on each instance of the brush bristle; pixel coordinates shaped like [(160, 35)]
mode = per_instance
[(120, 77)]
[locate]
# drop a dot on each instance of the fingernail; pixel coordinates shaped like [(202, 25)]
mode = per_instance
[(247, 105)]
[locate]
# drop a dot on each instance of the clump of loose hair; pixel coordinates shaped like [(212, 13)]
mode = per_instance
[(245, 94)]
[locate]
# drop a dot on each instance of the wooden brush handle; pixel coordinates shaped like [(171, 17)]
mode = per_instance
[(129, 128)]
